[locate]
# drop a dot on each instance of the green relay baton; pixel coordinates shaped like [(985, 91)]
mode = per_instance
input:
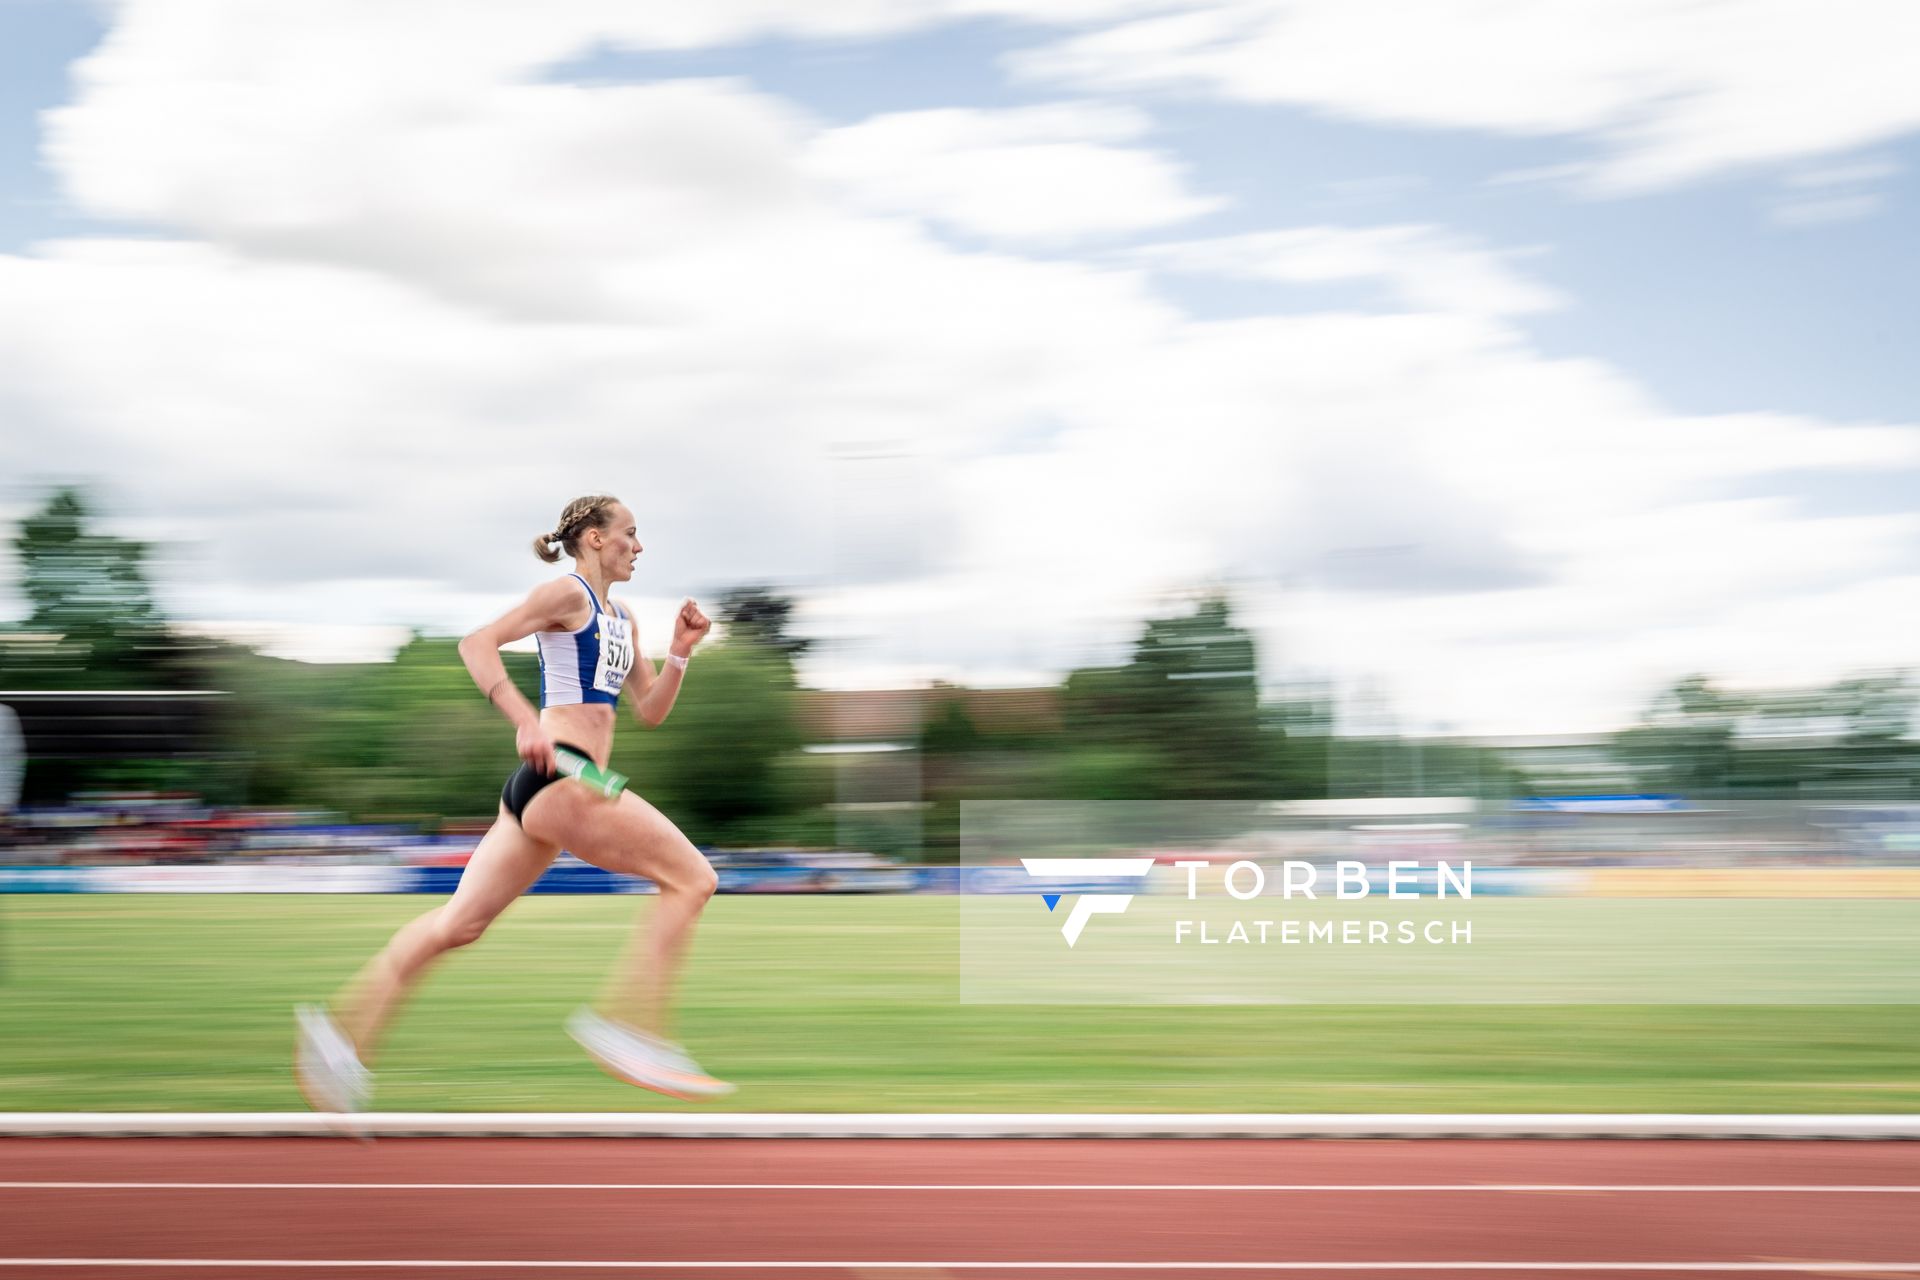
[(578, 767)]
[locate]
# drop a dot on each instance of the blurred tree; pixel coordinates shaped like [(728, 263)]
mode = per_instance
[(721, 755), (1877, 709), (1296, 733), (412, 738), (950, 730), (1685, 742), (436, 745), (1849, 737), (759, 614), (94, 623), (409, 738), (93, 627), (1182, 717), (725, 766), (1878, 753)]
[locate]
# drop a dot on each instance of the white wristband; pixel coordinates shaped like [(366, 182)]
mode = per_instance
[(675, 660)]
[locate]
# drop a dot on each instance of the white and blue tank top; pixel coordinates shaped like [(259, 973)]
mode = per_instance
[(587, 665)]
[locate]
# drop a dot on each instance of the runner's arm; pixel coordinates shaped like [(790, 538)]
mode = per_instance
[(652, 691), (548, 607)]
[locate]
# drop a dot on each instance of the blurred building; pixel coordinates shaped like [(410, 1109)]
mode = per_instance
[(845, 716), (63, 731), (13, 760), (1556, 763)]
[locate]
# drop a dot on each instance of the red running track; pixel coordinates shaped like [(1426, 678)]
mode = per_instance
[(484, 1209)]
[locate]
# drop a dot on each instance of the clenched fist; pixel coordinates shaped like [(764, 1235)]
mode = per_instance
[(690, 627)]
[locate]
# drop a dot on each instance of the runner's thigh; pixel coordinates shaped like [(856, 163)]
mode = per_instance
[(626, 835), (505, 864)]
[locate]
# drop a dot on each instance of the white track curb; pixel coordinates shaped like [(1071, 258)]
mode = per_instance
[(613, 1124)]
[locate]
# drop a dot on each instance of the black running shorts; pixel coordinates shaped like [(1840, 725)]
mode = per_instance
[(523, 784)]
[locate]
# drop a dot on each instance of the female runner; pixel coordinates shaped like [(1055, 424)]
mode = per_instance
[(587, 657)]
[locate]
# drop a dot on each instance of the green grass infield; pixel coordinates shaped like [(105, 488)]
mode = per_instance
[(183, 1003)]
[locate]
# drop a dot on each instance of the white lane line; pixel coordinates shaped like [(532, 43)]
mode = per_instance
[(1661, 1188), (759, 1264), (941, 1125)]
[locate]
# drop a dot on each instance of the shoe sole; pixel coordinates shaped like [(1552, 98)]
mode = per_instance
[(703, 1088), (720, 1088), (655, 1086)]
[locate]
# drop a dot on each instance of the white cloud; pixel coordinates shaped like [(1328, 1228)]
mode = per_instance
[(306, 641), (1827, 194), (1814, 213), (1425, 266), (1672, 92), (405, 313), (1044, 174), (1857, 173)]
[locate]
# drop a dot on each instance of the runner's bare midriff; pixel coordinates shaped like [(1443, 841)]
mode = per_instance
[(586, 725)]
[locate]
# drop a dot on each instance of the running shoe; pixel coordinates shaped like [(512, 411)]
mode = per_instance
[(638, 1058), (325, 1064)]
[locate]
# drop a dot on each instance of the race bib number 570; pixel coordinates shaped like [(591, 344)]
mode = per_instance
[(616, 654)]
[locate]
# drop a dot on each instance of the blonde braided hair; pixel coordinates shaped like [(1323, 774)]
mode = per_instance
[(580, 515)]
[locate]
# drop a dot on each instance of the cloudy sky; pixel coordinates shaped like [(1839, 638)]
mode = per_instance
[(1514, 357)]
